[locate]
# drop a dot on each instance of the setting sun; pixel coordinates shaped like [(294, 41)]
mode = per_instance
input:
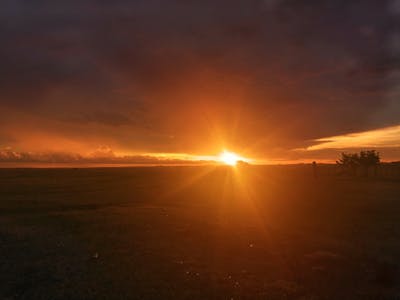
[(229, 158)]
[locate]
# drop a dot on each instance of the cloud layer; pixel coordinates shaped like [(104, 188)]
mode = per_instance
[(261, 77)]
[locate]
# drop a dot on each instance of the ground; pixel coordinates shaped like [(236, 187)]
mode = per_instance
[(198, 233)]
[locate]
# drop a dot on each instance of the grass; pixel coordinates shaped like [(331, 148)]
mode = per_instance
[(197, 233)]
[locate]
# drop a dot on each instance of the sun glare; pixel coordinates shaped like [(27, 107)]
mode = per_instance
[(229, 158)]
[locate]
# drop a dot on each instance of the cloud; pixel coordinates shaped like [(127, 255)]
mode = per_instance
[(259, 73), (394, 6), (104, 118), (9, 156), (103, 152), (102, 155), (380, 138)]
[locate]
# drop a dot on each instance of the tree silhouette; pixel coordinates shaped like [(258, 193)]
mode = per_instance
[(369, 158), (350, 162)]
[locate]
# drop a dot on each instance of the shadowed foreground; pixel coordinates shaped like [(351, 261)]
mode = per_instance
[(197, 233)]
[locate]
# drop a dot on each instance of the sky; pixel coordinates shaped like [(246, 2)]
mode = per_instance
[(273, 80)]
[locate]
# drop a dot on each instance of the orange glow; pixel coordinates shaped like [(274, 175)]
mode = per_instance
[(229, 158)]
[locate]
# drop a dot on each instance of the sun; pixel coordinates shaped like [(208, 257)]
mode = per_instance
[(229, 158)]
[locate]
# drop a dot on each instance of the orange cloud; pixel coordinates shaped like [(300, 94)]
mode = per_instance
[(379, 138)]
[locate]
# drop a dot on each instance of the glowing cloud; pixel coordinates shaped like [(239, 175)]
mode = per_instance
[(384, 137)]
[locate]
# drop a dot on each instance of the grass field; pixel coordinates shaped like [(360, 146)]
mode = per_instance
[(197, 233)]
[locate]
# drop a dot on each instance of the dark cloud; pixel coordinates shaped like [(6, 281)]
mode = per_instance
[(283, 71), (106, 118), (5, 140), (103, 155)]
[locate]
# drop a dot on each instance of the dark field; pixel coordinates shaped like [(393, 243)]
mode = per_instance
[(197, 233)]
